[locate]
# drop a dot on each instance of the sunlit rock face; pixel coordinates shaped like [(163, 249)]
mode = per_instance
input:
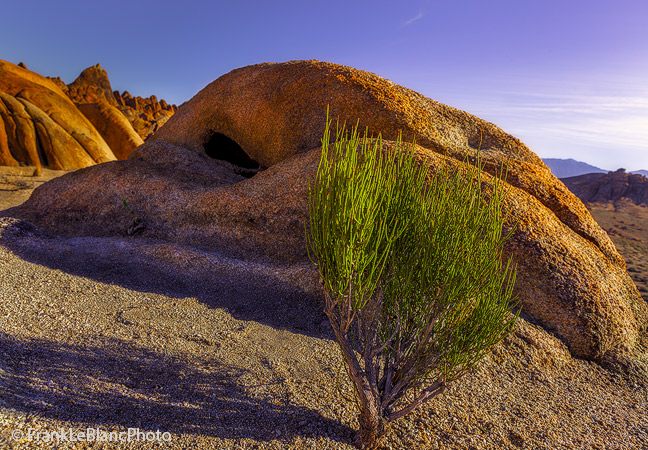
[(45, 123), (113, 126), (41, 126)]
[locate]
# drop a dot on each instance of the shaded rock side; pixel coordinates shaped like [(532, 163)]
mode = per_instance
[(609, 187), (42, 127), (569, 280), (113, 126)]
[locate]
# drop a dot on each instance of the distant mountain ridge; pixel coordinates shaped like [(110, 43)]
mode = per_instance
[(609, 187), (563, 168)]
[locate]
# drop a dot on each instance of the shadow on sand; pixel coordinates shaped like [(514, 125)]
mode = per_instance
[(258, 295), (118, 384)]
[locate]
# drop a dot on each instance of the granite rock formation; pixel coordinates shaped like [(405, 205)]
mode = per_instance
[(190, 183), (91, 86), (40, 126), (44, 122), (145, 115), (609, 187)]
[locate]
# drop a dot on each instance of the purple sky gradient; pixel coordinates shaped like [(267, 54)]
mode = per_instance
[(569, 77)]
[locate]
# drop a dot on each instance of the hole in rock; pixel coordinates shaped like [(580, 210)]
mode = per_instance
[(221, 147)]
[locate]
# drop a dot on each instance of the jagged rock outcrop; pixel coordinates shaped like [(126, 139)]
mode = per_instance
[(42, 127), (609, 187), (146, 115), (92, 86), (189, 184)]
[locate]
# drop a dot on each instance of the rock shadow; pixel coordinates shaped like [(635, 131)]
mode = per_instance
[(248, 290)]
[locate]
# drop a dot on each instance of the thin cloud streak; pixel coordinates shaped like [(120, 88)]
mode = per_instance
[(620, 122), (580, 105), (595, 129), (414, 19)]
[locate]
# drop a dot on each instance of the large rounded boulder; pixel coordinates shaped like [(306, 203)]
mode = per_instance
[(273, 111), (229, 173)]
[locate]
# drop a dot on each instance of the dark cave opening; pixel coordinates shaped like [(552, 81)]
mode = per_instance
[(223, 148)]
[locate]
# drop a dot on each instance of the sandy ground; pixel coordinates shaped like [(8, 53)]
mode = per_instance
[(119, 333), (17, 183), (627, 225)]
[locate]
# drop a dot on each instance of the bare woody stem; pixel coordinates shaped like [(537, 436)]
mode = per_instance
[(372, 424)]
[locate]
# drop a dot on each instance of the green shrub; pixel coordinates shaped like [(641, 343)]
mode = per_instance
[(411, 265)]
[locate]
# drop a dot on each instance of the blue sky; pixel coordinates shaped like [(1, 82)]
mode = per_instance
[(569, 77)]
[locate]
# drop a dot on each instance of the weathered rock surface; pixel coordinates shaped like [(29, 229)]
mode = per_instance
[(273, 111), (570, 280), (609, 187), (61, 149), (42, 127), (22, 134)]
